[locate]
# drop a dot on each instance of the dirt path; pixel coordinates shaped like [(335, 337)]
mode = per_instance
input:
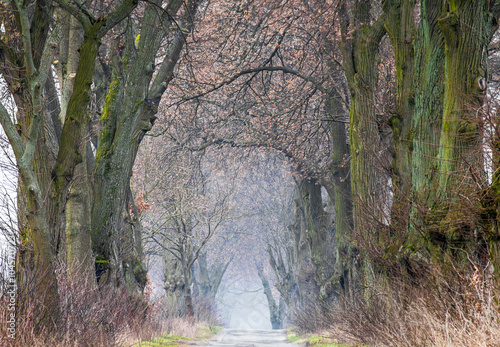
[(233, 337), (252, 338)]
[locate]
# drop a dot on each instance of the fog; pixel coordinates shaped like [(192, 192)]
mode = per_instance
[(261, 194), (243, 305)]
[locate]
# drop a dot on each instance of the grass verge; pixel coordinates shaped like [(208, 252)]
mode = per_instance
[(202, 333), (313, 340)]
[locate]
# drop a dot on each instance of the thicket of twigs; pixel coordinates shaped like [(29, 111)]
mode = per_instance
[(458, 309), (91, 316)]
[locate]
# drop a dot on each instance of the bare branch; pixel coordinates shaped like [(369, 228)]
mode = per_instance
[(25, 33), (242, 73), (83, 16), (119, 14), (11, 132)]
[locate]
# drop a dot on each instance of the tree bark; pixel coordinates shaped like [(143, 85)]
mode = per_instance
[(345, 269), (360, 53), (320, 233), (124, 122), (24, 65), (429, 69), (276, 312), (209, 280), (400, 27)]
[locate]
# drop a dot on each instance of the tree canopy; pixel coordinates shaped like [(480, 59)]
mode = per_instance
[(143, 129)]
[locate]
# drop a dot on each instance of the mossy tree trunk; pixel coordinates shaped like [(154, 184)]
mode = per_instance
[(450, 65), (341, 195), (467, 29), (25, 66), (129, 112), (360, 53), (71, 226), (429, 72), (71, 179), (49, 158), (400, 27), (459, 160)]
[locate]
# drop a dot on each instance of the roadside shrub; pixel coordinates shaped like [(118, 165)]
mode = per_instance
[(457, 309), (88, 316)]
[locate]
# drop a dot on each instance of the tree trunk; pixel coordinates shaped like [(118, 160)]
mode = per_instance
[(320, 234), (25, 69), (128, 114), (189, 304), (429, 69), (174, 282), (460, 164), (210, 277), (400, 27), (293, 270), (360, 53), (447, 158), (78, 250), (345, 269), (276, 313), (71, 190)]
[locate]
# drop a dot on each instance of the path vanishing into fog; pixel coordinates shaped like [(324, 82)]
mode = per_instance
[(252, 338)]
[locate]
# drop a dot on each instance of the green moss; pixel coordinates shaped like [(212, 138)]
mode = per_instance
[(107, 111), (99, 155), (165, 340), (394, 122), (139, 103), (107, 122)]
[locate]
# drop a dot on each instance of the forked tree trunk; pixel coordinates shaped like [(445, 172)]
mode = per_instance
[(25, 69), (129, 113), (447, 157), (276, 311)]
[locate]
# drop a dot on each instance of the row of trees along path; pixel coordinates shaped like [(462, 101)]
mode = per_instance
[(381, 106)]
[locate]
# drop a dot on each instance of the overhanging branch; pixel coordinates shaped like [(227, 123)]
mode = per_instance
[(242, 73)]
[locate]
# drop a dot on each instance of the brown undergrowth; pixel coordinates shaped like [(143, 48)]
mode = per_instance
[(457, 309), (88, 316)]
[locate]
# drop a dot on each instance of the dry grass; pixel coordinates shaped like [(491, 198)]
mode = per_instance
[(461, 310), (89, 316)]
